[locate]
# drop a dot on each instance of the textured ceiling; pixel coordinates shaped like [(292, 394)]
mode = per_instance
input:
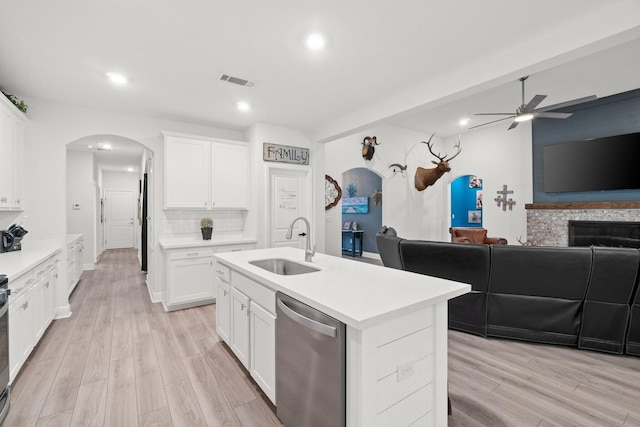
[(174, 52)]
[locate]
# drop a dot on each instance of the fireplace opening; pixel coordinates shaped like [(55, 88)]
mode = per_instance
[(604, 233)]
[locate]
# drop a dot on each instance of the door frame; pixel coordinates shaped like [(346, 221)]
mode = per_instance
[(310, 202)]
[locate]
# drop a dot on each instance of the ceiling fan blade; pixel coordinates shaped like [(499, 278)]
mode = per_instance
[(514, 124), (535, 101), (493, 114), (494, 121), (569, 103), (550, 115)]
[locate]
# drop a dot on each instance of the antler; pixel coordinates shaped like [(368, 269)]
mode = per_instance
[(525, 243), (457, 147), (441, 158)]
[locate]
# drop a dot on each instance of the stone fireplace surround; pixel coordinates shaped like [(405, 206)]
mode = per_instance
[(548, 223)]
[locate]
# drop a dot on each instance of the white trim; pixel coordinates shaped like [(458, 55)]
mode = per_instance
[(63, 312), (371, 255)]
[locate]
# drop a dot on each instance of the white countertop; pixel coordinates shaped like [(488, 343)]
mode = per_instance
[(356, 293), (14, 264), (73, 237), (193, 241)]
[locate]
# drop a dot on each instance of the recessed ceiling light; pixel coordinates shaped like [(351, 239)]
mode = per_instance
[(105, 147), (243, 106), (465, 121), (89, 146), (117, 78), (315, 41), (129, 169)]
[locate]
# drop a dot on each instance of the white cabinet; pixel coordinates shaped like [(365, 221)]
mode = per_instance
[(190, 278), (223, 300), (32, 306), (21, 337), (187, 173), (11, 149), (239, 314), (205, 173), (75, 261), (229, 175), (263, 351), (245, 319)]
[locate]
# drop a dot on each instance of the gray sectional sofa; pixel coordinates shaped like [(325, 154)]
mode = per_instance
[(576, 296)]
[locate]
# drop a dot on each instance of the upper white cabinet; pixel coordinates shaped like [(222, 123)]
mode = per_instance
[(229, 175), (186, 173), (205, 173), (11, 147)]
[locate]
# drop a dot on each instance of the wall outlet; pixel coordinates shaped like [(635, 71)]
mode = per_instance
[(76, 206), (405, 371)]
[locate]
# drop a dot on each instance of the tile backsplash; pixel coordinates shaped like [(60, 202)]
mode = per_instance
[(188, 221)]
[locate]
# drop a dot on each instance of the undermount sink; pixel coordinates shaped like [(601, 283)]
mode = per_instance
[(284, 267)]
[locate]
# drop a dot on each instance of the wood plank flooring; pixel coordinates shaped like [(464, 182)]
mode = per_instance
[(120, 360)]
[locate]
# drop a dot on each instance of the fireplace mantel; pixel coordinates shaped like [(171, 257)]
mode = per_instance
[(631, 204)]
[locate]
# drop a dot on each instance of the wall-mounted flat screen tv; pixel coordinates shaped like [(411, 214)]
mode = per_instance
[(610, 163)]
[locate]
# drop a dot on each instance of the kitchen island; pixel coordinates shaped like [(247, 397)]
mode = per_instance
[(396, 330)]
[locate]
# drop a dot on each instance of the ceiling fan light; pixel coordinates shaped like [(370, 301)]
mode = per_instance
[(523, 117)]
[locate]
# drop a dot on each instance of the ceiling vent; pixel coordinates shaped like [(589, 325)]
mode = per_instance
[(236, 80)]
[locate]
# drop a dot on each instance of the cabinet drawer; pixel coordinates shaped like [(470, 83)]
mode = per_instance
[(186, 254), (21, 285), (255, 291), (236, 248), (223, 272)]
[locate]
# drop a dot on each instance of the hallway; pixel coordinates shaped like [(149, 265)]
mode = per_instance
[(121, 360)]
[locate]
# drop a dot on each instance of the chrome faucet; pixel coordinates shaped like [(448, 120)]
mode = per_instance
[(308, 253)]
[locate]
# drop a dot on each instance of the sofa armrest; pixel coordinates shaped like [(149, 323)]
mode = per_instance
[(495, 241)]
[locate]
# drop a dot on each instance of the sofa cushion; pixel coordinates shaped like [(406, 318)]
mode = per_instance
[(536, 293), (475, 235), (606, 308)]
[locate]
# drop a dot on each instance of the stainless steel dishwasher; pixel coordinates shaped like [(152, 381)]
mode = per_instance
[(310, 366)]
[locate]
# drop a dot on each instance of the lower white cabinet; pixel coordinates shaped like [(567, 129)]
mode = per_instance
[(32, 307), (239, 339), (223, 301), (262, 342), (75, 261), (245, 319), (21, 336), (190, 276)]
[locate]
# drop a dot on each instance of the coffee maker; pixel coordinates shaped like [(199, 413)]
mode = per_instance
[(11, 238)]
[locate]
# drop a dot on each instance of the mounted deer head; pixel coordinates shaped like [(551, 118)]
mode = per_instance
[(426, 177), (368, 148)]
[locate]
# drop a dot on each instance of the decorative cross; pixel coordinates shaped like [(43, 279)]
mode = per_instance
[(501, 199)]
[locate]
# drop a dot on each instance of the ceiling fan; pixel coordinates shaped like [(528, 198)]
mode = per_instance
[(528, 111)]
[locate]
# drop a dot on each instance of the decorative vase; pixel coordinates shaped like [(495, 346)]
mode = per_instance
[(206, 233)]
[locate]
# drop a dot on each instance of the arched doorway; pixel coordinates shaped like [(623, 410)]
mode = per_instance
[(361, 208), (466, 201), (98, 165)]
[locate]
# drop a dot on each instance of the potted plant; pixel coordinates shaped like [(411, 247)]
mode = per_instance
[(206, 226)]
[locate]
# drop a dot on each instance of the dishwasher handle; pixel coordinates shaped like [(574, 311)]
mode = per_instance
[(306, 322)]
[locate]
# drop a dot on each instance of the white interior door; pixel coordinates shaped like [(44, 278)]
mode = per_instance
[(289, 198), (119, 217)]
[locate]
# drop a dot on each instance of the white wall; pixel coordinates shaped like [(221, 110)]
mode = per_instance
[(80, 190), (50, 127), (257, 219), (495, 154)]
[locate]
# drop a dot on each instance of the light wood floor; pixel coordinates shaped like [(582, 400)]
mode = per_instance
[(122, 361)]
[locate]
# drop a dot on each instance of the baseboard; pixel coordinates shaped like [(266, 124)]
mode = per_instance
[(88, 267), (63, 312), (188, 304), (154, 296), (371, 255)]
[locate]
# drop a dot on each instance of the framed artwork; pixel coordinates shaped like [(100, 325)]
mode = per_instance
[(355, 205), (478, 199), (474, 217), (474, 182), (346, 225)]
